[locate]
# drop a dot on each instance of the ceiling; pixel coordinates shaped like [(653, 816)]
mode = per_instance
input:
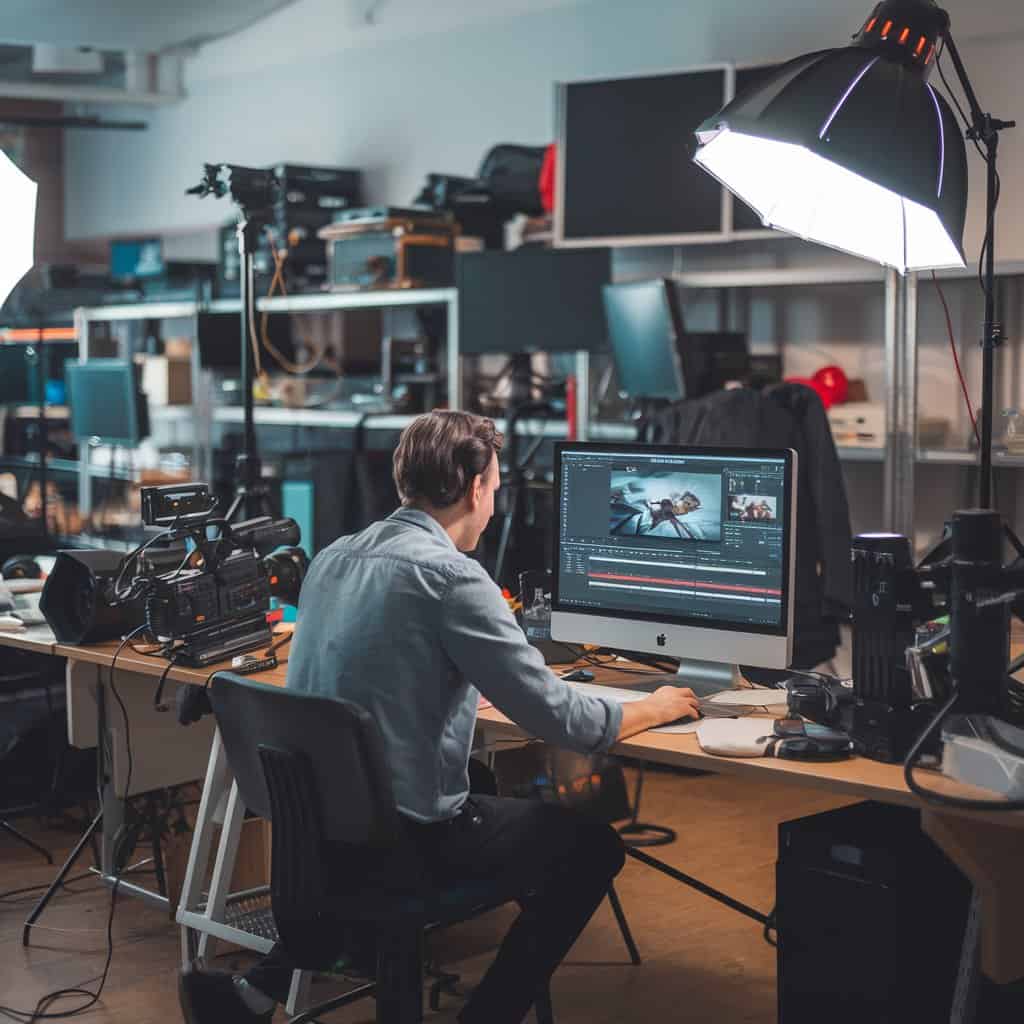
[(150, 26)]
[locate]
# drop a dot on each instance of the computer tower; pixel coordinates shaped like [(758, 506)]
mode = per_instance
[(870, 918)]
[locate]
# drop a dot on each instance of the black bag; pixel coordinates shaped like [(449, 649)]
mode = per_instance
[(511, 174)]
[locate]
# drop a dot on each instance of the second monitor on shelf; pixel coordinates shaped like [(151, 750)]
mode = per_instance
[(656, 357)]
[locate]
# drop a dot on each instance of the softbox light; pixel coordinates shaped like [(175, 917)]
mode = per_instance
[(852, 147), (18, 217)]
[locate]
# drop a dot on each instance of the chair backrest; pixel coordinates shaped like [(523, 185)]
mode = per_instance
[(338, 742)]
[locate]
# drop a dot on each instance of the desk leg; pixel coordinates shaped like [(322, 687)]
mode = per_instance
[(218, 781), (989, 854), (112, 807), (220, 881)]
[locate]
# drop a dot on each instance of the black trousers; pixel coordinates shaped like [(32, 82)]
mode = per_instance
[(559, 862)]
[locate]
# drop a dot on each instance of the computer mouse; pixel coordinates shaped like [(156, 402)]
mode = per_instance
[(579, 675), (21, 567)]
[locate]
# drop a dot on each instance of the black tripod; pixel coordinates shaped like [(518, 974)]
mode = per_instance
[(6, 826), (254, 192)]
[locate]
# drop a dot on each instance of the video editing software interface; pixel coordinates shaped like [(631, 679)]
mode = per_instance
[(672, 535)]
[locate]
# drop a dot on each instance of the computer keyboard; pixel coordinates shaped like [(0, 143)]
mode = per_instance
[(708, 708)]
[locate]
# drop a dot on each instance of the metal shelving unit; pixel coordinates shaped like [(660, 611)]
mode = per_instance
[(203, 412), (898, 456)]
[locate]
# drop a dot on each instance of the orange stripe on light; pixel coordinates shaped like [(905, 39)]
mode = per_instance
[(903, 36), (886, 27), (870, 25), (35, 334), (931, 53), (920, 46)]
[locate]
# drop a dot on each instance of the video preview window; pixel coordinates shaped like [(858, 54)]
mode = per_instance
[(753, 508), (678, 507)]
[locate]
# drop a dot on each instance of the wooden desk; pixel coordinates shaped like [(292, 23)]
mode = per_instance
[(986, 846), (39, 639)]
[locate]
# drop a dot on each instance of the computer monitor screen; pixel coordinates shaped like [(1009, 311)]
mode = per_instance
[(19, 374), (645, 326), (628, 145), (532, 300), (687, 552), (135, 259), (655, 356), (106, 403)]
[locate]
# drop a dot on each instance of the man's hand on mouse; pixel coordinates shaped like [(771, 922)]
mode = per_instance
[(666, 704)]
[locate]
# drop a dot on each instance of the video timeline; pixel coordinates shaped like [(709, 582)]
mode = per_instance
[(681, 580)]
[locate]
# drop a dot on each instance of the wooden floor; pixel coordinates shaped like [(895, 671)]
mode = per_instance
[(701, 961)]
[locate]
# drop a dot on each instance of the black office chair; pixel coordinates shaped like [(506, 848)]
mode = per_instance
[(315, 767)]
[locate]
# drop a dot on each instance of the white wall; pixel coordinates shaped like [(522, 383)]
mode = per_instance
[(429, 87)]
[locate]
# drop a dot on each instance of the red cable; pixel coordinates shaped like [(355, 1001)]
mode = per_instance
[(956, 358)]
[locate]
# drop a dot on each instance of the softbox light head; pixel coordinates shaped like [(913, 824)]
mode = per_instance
[(852, 147)]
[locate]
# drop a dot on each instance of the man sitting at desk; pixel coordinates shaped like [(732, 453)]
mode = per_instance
[(397, 619)]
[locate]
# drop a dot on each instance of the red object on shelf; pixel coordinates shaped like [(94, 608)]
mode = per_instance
[(835, 384), (570, 408), (546, 181)]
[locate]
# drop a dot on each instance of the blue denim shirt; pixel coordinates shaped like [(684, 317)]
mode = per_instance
[(399, 621)]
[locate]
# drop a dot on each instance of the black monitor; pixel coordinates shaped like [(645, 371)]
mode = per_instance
[(655, 356), (687, 552), (626, 174), (19, 374), (107, 404), (135, 259), (532, 300)]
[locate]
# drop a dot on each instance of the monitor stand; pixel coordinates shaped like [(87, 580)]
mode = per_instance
[(703, 677)]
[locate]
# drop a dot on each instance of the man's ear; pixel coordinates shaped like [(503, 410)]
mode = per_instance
[(476, 490)]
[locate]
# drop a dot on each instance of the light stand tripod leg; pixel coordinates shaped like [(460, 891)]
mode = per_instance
[(7, 827), (61, 875)]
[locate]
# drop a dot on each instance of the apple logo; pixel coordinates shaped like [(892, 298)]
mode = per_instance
[(661, 639)]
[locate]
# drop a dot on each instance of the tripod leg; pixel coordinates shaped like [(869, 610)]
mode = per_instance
[(620, 916), (8, 827), (61, 875)]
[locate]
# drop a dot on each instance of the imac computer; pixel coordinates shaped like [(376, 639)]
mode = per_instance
[(677, 551)]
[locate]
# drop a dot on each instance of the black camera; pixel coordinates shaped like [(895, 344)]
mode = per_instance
[(212, 603), (252, 188)]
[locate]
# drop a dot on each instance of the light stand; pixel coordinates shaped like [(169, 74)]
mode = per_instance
[(984, 132), (254, 191), (251, 494)]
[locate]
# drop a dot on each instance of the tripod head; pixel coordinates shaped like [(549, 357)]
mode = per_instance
[(253, 190)]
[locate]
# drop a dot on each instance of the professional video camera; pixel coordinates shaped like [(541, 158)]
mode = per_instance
[(214, 604)]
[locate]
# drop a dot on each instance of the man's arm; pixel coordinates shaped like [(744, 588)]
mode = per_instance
[(666, 704), (483, 639)]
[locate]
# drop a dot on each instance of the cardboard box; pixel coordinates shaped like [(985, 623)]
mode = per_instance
[(166, 381)]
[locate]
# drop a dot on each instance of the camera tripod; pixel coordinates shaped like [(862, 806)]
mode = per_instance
[(254, 193)]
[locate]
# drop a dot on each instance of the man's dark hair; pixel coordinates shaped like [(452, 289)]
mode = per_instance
[(438, 455)]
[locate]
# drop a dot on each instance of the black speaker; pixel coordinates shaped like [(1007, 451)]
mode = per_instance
[(870, 918), (78, 598)]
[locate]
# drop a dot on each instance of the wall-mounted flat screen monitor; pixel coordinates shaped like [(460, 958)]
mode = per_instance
[(625, 173)]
